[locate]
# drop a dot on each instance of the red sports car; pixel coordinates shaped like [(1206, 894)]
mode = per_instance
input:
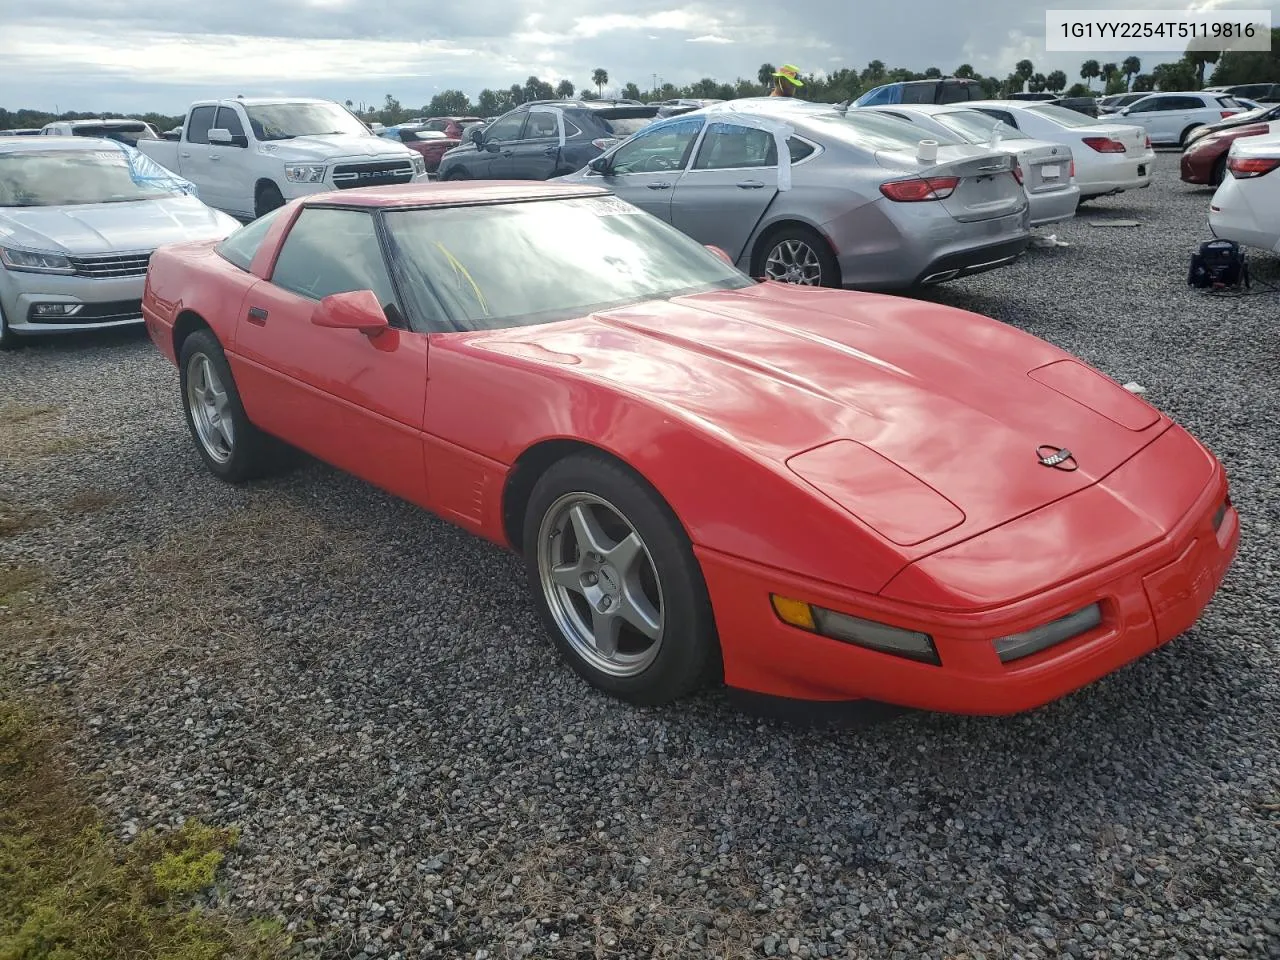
[(810, 493), (1205, 159)]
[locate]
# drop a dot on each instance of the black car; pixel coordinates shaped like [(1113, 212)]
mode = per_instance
[(1086, 105), (1271, 112), (526, 143), (1258, 92), (944, 90)]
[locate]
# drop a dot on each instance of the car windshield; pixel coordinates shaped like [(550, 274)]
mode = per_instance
[(1063, 116), (52, 178), (284, 121), (976, 127), (558, 259)]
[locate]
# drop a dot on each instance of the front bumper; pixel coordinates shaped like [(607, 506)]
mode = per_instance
[(104, 302), (1148, 597), (1196, 165)]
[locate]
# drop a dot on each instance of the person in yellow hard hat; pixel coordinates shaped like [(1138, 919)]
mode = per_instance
[(786, 80)]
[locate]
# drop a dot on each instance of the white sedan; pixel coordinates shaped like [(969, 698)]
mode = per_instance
[(1246, 206), (1169, 118), (1109, 157), (1047, 170)]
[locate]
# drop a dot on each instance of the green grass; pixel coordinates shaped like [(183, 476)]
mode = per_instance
[(69, 891)]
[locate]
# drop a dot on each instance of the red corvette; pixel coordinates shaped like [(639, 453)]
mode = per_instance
[(810, 493)]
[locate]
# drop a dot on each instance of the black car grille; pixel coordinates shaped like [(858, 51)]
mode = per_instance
[(111, 265), (108, 312), (348, 175)]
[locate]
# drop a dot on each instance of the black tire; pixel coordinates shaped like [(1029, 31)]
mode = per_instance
[(454, 175), (1219, 171), (1182, 141), (688, 653), (267, 198), (8, 339), (252, 453), (829, 275)]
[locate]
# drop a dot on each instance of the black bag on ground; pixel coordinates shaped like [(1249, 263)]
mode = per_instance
[(1218, 263)]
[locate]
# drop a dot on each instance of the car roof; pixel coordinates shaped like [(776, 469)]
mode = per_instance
[(452, 193), (929, 108), (102, 122), (262, 101), (35, 142)]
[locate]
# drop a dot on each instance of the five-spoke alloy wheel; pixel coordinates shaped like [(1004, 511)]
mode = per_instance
[(614, 576)]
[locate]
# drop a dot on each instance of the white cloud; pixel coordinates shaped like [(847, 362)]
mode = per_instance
[(708, 38)]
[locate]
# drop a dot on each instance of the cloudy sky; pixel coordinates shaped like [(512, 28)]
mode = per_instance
[(140, 55)]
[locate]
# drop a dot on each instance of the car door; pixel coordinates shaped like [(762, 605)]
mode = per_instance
[(536, 155), (229, 188), (644, 171), (193, 155), (732, 181), (354, 401), (500, 137)]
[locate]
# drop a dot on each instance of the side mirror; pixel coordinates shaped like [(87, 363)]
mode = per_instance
[(720, 253), (475, 135), (357, 310), (220, 135), (601, 164)]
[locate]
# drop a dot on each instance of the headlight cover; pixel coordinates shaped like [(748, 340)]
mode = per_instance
[(35, 261), (419, 164), (857, 631), (305, 172)]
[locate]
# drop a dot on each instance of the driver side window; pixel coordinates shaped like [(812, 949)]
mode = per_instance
[(506, 129), (333, 251), (653, 150)]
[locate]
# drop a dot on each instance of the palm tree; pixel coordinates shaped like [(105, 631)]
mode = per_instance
[(564, 89), (1089, 71), (964, 71), (1131, 67), (1056, 81), (765, 74), (1023, 69), (600, 76), (1198, 59)]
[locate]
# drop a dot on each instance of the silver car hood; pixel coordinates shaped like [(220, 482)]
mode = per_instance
[(113, 227)]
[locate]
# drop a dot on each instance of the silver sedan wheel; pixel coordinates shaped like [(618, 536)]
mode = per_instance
[(600, 584), (210, 409), (794, 261)]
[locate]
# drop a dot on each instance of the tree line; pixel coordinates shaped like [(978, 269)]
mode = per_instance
[(1185, 73)]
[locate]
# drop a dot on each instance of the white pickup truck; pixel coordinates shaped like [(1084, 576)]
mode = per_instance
[(248, 156)]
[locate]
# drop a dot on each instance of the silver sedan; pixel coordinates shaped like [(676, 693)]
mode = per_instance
[(1048, 170), (859, 200)]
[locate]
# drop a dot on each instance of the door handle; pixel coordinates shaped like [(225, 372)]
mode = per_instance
[(258, 316), (750, 184), (551, 151), (508, 153), (185, 156), (664, 185), (214, 156)]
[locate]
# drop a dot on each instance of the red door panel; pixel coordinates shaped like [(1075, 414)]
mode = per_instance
[(353, 401)]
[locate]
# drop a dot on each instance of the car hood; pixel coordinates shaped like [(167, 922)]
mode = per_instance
[(331, 146), (957, 403), (113, 227)]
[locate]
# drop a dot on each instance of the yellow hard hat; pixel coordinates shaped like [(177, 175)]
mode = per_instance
[(790, 73)]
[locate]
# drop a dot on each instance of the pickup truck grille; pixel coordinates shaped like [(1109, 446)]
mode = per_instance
[(112, 265), (347, 175)]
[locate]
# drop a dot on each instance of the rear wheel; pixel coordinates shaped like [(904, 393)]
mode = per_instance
[(616, 582), (1182, 141), (796, 254), (267, 198), (8, 340)]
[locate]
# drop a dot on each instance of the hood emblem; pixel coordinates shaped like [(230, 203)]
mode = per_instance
[(1059, 458)]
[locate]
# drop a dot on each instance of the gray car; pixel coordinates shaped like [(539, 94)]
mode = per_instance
[(860, 200), (1048, 173), (79, 219)]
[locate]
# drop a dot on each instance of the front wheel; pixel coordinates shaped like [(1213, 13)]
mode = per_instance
[(232, 448), (268, 198), (796, 254), (614, 577), (8, 339), (1219, 171)]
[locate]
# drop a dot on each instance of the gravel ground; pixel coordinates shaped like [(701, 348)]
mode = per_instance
[(366, 691)]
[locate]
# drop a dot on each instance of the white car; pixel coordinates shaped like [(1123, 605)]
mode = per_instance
[(1246, 206), (251, 155), (124, 130), (1047, 169), (1169, 118), (1110, 158), (79, 220)]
